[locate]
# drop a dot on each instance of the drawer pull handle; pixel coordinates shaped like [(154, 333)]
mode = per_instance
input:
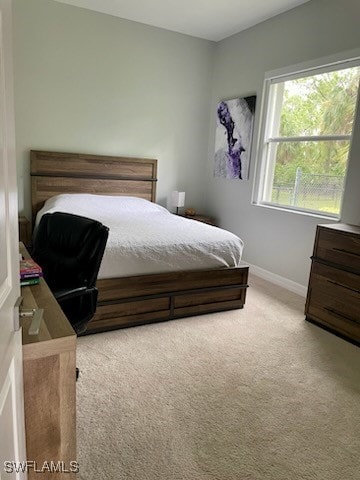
[(344, 286), (343, 250), (37, 315), (341, 315)]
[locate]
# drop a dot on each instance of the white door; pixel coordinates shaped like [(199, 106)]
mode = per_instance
[(12, 437)]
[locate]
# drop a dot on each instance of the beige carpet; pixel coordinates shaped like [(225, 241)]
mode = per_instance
[(249, 394)]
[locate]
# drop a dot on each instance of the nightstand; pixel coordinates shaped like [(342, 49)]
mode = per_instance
[(24, 230), (201, 218)]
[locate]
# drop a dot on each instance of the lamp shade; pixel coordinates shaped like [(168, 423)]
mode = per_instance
[(177, 199)]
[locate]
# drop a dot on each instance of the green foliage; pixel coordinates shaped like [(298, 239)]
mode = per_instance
[(318, 105)]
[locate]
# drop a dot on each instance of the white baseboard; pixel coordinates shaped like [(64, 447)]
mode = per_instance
[(278, 280)]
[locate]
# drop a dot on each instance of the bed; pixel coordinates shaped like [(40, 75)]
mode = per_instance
[(160, 289)]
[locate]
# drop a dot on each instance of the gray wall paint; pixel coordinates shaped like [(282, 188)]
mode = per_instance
[(93, 83), (278, 241)]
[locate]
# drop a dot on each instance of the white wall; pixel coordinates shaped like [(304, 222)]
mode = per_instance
[(93, 83), (278, 241)]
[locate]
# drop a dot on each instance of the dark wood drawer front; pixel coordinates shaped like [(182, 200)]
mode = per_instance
[(339, 248), (337, 300), (104, 312), (336, 322), (330, 277), (207, 297), (129, 314)]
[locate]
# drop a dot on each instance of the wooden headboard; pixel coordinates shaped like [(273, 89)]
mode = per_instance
[(53, 173)]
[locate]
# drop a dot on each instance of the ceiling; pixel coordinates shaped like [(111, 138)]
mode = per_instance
[(209, 19)]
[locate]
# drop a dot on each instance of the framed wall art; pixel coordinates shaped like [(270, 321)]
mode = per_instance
[(234, 131)]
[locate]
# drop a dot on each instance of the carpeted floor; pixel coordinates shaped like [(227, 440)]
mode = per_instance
[(252, 394)]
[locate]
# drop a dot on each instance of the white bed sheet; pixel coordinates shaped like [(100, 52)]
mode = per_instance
[(145, 238)]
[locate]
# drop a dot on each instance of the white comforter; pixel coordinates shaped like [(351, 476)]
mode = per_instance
[(146, 238)]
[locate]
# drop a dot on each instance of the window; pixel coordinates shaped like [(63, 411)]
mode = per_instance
[(305, 137)]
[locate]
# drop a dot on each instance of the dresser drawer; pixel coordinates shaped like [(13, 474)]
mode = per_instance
[(328, 277), (339, 248), (335, 298), (333, 321)]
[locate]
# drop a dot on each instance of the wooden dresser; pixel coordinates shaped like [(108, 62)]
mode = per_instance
[(333, 298), (49, 385)]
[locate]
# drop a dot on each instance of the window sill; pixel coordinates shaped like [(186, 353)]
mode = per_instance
[(307, 213)]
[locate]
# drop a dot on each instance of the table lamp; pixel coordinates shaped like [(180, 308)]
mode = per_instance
[(177, 200)]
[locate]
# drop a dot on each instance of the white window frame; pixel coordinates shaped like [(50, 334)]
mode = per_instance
[(264, 169)]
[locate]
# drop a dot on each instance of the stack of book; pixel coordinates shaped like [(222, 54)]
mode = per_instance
[(30, 272)]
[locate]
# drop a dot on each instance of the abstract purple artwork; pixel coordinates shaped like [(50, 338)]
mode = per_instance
[(235, 120)]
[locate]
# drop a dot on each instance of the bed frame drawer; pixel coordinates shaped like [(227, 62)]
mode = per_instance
[(127, 314), (210, 301), (152, 299)]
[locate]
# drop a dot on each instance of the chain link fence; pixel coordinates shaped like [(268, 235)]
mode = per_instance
[(312, 191)]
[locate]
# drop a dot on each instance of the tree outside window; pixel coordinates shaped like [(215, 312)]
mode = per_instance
[(306, 138)]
